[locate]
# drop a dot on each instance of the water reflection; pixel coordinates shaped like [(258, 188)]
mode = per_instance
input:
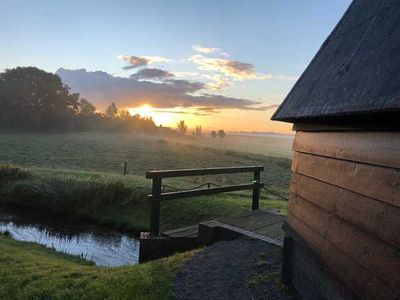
[(104, 247)]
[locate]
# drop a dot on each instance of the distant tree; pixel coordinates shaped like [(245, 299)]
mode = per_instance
[(33, 99), (181, 128), (86, 108), (221, 133), (124, 114), (112, 110), (213, 134), (198, 130)]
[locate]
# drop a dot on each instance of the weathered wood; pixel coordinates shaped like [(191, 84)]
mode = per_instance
[(253, 220), (286, 273), (155, 206), (211, 191), (364, 284), (380, 183), (375, 255), (381, 148), (189, 231), (257, 184), (373, 216), (204, 171)]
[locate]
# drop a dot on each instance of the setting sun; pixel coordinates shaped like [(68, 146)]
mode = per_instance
[(162, 117)]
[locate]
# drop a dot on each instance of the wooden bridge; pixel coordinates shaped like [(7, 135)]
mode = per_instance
[(257, 223)]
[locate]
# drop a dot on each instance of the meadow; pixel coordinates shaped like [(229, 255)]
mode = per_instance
[(80, 174)]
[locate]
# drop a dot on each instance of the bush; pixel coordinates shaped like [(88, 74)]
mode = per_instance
[(9, 173)]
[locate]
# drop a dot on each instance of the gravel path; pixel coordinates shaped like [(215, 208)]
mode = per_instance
[(239, 269)]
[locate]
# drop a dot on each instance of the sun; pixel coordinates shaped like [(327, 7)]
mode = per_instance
[(159, 116), (144, 111)]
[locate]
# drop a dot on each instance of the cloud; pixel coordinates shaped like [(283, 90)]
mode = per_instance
[(206, 50), (101, 88), (272, 106), (232, 68), (149, 73), (134, 61), (157, 59)]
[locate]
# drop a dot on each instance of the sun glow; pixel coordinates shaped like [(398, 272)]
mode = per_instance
[(164, 117)]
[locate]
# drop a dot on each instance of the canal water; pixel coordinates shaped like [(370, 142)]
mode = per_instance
[(102, 246)]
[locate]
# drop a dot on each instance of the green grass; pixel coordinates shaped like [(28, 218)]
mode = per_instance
[(106, 152), (30, 271), (80, 174), (112, 200)]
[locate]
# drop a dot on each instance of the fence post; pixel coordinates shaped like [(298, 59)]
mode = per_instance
[(256, 190), (125, 168), (155, 206)]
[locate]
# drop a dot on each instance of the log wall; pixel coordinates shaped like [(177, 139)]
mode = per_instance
[(345, 206)]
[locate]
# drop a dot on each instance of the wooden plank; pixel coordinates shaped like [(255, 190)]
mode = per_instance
[(375, 217), (253, 221), (210, 191), (381, 148), (375, 255), (365, 284), (372, 181), (273, 230), (189, 231), (202, 171)]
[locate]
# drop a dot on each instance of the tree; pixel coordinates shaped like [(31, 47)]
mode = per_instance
[(213, 133), (86, 108), (182, 128), (198, 131), (112, 110), (221, 133), (124, 114), (33, 99)]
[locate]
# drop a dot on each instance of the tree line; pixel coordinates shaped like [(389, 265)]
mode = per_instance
[(35, 100)]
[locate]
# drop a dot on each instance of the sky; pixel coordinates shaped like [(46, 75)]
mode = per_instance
[(218, 64)]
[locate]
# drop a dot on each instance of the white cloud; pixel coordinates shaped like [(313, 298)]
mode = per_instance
[(157, 59), (205, 50), (232, 68)]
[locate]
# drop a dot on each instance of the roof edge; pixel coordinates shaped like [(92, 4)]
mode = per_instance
[(275, 116)]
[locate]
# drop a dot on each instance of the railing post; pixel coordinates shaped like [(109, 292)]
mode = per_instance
[(155, 206), (256, 190)]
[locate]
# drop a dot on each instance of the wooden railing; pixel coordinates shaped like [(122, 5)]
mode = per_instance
[(157, 195)]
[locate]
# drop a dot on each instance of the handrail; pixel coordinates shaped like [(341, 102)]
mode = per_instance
[(201, 171), (157, 195)]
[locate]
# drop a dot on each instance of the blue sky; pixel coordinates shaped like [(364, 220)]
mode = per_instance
[(277, 38)]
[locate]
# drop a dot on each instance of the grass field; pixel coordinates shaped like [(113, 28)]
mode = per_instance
[(30, 271), (80, 174)]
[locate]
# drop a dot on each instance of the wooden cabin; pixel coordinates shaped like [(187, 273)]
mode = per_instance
[(343, 226)]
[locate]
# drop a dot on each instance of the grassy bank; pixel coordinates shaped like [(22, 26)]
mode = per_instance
[(46, 274), (111, 199), (106, 152)]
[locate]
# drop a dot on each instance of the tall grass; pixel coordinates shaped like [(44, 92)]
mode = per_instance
[(85, 194)]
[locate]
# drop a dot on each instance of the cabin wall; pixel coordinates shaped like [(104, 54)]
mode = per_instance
[(344, 214)]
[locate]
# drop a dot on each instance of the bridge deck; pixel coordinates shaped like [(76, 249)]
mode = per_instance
[(258, 224)]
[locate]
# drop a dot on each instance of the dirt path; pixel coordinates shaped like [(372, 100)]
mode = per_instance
[(239, 269)]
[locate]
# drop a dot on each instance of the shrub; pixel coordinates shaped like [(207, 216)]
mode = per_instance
[(9, 173)]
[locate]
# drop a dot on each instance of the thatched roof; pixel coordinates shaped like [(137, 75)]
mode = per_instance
[(357, 69)]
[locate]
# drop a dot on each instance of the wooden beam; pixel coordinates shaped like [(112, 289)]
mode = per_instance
[(376, 256), (380, 148), (373, 216), (364, 284), (216, 190), (204, 171), (380, 183)]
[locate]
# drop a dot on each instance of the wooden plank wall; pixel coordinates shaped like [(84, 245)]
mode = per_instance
[(345, 203)]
